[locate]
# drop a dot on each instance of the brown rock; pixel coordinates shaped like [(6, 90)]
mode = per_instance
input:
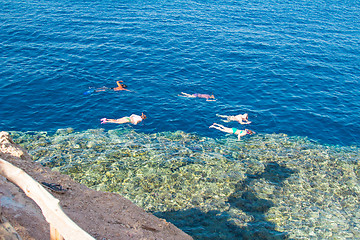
[(103, 215)]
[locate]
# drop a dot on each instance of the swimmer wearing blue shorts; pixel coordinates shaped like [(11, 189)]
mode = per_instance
[(238, 132)]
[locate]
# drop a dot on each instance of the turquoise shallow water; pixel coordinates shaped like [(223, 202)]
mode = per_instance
[(268, 186)]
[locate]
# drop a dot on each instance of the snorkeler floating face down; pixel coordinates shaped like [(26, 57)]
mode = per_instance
[(198, 95), (240, 118), (120, 87), (238, 132), (134, 119)]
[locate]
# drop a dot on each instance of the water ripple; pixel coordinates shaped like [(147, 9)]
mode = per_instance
[(292, 65)]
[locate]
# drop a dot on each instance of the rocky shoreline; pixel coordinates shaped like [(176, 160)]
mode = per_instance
[(103, 215)]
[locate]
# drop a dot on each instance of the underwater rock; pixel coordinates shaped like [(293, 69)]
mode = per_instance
[(63, 131), (291, 186)]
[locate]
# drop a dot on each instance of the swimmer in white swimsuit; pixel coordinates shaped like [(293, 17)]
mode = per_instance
[(241, 118), (238, 132), (134, 119)]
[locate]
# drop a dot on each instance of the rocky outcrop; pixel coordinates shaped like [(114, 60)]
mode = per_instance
[(103, 215)]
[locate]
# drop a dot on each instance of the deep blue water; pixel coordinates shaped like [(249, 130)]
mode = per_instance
[(294, 66)]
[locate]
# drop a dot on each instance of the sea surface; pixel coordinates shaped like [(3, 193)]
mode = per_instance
[(293, 66)]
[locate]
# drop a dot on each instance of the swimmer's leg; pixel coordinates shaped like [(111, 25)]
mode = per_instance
[(224, 116), (118, 121), (186, 95), (217, 126)]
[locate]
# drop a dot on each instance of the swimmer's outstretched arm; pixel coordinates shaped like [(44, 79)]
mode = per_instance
[(245, 122)]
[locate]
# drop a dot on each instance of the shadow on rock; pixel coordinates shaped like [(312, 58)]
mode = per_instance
[(244, 198), (221, 225)]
